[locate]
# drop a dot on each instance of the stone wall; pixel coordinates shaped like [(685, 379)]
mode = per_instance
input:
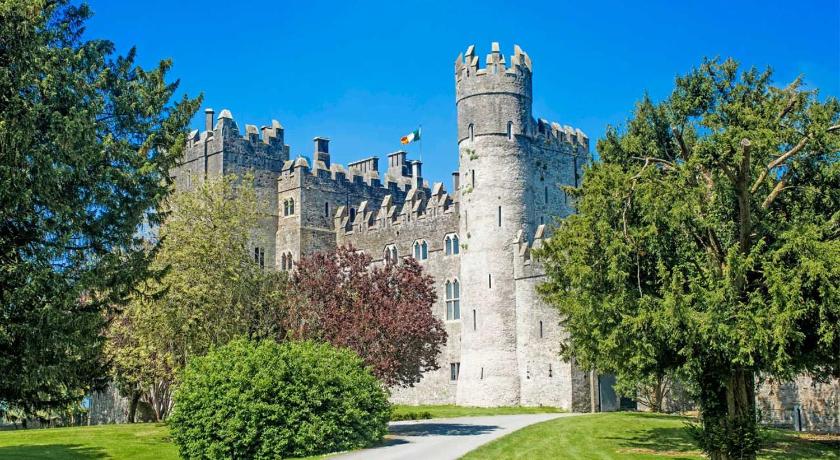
[(817, 403)]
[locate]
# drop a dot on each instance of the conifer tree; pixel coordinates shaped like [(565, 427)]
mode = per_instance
[(706, 242), (87, 139)]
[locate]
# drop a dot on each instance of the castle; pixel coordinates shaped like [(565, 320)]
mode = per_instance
[(475, 240)]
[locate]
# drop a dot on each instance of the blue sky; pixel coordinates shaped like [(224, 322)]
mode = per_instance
[(364, 74)]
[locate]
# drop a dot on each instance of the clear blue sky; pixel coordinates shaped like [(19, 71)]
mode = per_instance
[(365, 74)]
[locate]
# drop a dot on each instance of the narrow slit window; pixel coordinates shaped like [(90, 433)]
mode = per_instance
[(541, 330), (500, 216), (327, 209), (510, 130), (546, 194), (550, 373), (454, 370), (471, 132), (490, 281), (474, 320), (482, 373)]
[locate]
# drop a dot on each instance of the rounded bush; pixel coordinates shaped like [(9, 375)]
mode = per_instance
[(269, 400)]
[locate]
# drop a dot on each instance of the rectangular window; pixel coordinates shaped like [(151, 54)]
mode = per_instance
[(490, 281), (454, 370), (546, 194), (262, 258), (500, 216), (541, 330), (473, 319)]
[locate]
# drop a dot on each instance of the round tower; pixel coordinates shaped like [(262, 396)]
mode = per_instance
[(494, 115)]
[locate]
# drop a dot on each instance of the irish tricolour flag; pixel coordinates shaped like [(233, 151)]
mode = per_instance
[(411, 137)]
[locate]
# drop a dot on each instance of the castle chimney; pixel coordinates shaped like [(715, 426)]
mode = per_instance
[(456, 181), (208, 119), (415, 173), (322, 150)]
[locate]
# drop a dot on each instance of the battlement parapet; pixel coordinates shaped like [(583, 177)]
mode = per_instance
[(418, 204), (364, 173), (524, 264), (497, 76), (226, 128), (552, 133)]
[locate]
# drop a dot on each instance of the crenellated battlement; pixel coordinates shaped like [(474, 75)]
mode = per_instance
[(467, 64), (498, 76), (418, 204), (363, 173), (552, 133), (523, 245)]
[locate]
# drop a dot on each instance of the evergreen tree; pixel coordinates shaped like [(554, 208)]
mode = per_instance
[(706, 242), (87, 139)]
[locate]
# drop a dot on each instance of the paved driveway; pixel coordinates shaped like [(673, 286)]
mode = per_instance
[(445, 438)]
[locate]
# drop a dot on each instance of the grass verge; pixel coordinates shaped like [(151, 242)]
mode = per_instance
[(635, 436), (402, 412)]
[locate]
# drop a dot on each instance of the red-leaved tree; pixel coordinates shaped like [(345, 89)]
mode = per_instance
[(382, 313)]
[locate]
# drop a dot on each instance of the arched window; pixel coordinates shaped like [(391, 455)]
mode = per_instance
[(453, 300), (286, 261), (450, 244), (288, 207), (510, 130), (352, 215), (421, 250), (471, 133), (390, 255)]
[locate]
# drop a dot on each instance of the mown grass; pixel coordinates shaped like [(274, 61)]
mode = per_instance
[(139, 441), (635, 436), (402, 412)]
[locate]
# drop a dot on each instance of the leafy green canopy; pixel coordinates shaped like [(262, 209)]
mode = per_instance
[(210, 291), (267, 400), (86, 143), (706, 239)]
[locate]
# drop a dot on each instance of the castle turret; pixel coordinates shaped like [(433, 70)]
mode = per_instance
[(494, 113)]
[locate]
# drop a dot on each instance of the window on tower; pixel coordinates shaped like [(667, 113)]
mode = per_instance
[(450, 244), (471, 132), (510, 130), (453, 300), (420, 250)]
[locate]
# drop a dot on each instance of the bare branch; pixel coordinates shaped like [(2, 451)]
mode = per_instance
[(792, 100), (784, 157), (776, 190)]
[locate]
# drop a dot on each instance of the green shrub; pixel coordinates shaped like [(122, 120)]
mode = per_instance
[(269, 400), (410, 415)]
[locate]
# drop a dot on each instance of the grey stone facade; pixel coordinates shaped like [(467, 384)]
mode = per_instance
[(503, 346)]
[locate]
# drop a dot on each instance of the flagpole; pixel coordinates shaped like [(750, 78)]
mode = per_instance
[(420, 131)]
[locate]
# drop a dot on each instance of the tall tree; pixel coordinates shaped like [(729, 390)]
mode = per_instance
[(211, 291), (706, 242), (86, 143), (382, 313)]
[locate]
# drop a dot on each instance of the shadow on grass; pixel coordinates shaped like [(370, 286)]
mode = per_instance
[(672, 442), (441, 429), (52, 451)]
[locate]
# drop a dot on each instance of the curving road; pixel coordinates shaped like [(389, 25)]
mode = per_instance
[(444, 438)]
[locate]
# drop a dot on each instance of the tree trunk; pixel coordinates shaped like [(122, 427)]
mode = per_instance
[(730, 428), (658, 393), (132, 407)]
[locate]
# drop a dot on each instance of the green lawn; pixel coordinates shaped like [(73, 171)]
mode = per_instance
[(600, 436), (402, 412), (633, 436), (138, 441)]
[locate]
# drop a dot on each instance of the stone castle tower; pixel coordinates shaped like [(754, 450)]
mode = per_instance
[(494, 114), (503, 346)]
